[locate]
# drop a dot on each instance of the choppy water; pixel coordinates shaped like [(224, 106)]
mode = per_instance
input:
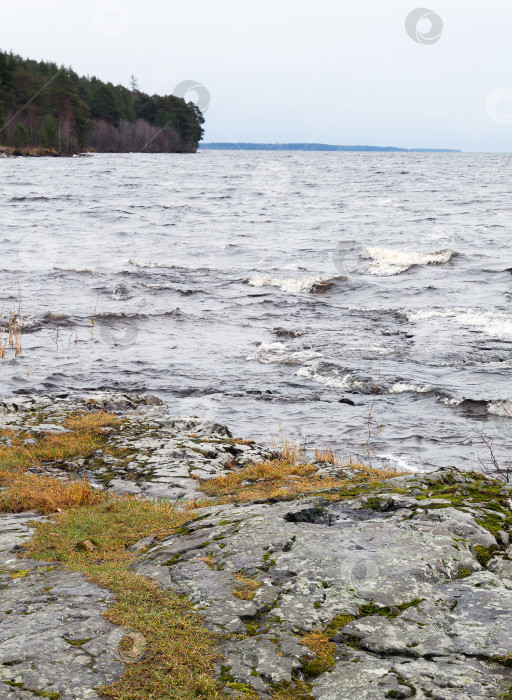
[(261, 289)]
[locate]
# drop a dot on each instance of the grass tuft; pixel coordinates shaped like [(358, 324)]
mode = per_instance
[(45, 494), (287, 476), (318, 643), (246, 587), (180, 653), (28, 491)]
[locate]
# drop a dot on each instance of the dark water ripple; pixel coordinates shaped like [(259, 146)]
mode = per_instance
[(268, 289)]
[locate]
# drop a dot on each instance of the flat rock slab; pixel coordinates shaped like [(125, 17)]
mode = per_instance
[(53, 636), (430, 620)]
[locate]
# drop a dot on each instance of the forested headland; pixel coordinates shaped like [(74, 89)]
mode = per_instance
[(49, 109)]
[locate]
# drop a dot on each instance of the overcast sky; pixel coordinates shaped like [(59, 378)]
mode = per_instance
[(294, 70)]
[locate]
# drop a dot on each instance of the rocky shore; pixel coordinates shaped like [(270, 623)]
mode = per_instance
[(398, 589)]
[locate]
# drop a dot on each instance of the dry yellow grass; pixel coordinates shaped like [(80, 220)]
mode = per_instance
[(13, 337), (325, 456), (91, 421), (28, 491), (288, 475), (45, 494), (272, 479), (286, 449), (246, 587), (208, 560)]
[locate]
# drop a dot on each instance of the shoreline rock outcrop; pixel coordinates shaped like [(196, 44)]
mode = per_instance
[(397, 590)]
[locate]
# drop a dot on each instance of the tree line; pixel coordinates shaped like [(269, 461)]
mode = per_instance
[(53, 109)]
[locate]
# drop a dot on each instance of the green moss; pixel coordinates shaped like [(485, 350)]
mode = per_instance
[(225, 675), (479, 490), (401, 681), (352, 492), (324, 658), (494, 523), (502, 660), (77, 642), (267, 558), (20, 573), (392, 611), (352, 642), (373, 503), (183, 530), (173, 560), (337, 623), (244, 688), (483, 554), (298, 690), (316, 665), (317, 605), (463, 572), (251, 629)]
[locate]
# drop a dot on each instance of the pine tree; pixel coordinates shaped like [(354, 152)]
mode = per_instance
[(3, 133), (104, 104), (21, 137), (41, 138), (51, 133)]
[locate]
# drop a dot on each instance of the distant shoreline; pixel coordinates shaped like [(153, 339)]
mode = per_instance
[(315, 147)]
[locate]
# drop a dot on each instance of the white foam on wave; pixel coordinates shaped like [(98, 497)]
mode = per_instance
[(333, 378), (295, 286), (501, 408), (450, 401), (400, 462), (384, 262), (74, 269), (495, 324), (278, 353), (151, 264), (402, 388)]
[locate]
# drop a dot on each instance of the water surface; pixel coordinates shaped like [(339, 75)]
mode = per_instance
[(268, 289)]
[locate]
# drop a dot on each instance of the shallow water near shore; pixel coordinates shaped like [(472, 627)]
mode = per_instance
[(259, 289)]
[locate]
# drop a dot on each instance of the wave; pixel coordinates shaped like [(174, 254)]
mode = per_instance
[(152, 265), (295, 286), (402, 388), (450, 401), (37, 198), (74, 269), (278, 353), (333, 379), (479, 407), (501, 408), (385, 262), (402, 463), (495, 324), (337, 378)]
